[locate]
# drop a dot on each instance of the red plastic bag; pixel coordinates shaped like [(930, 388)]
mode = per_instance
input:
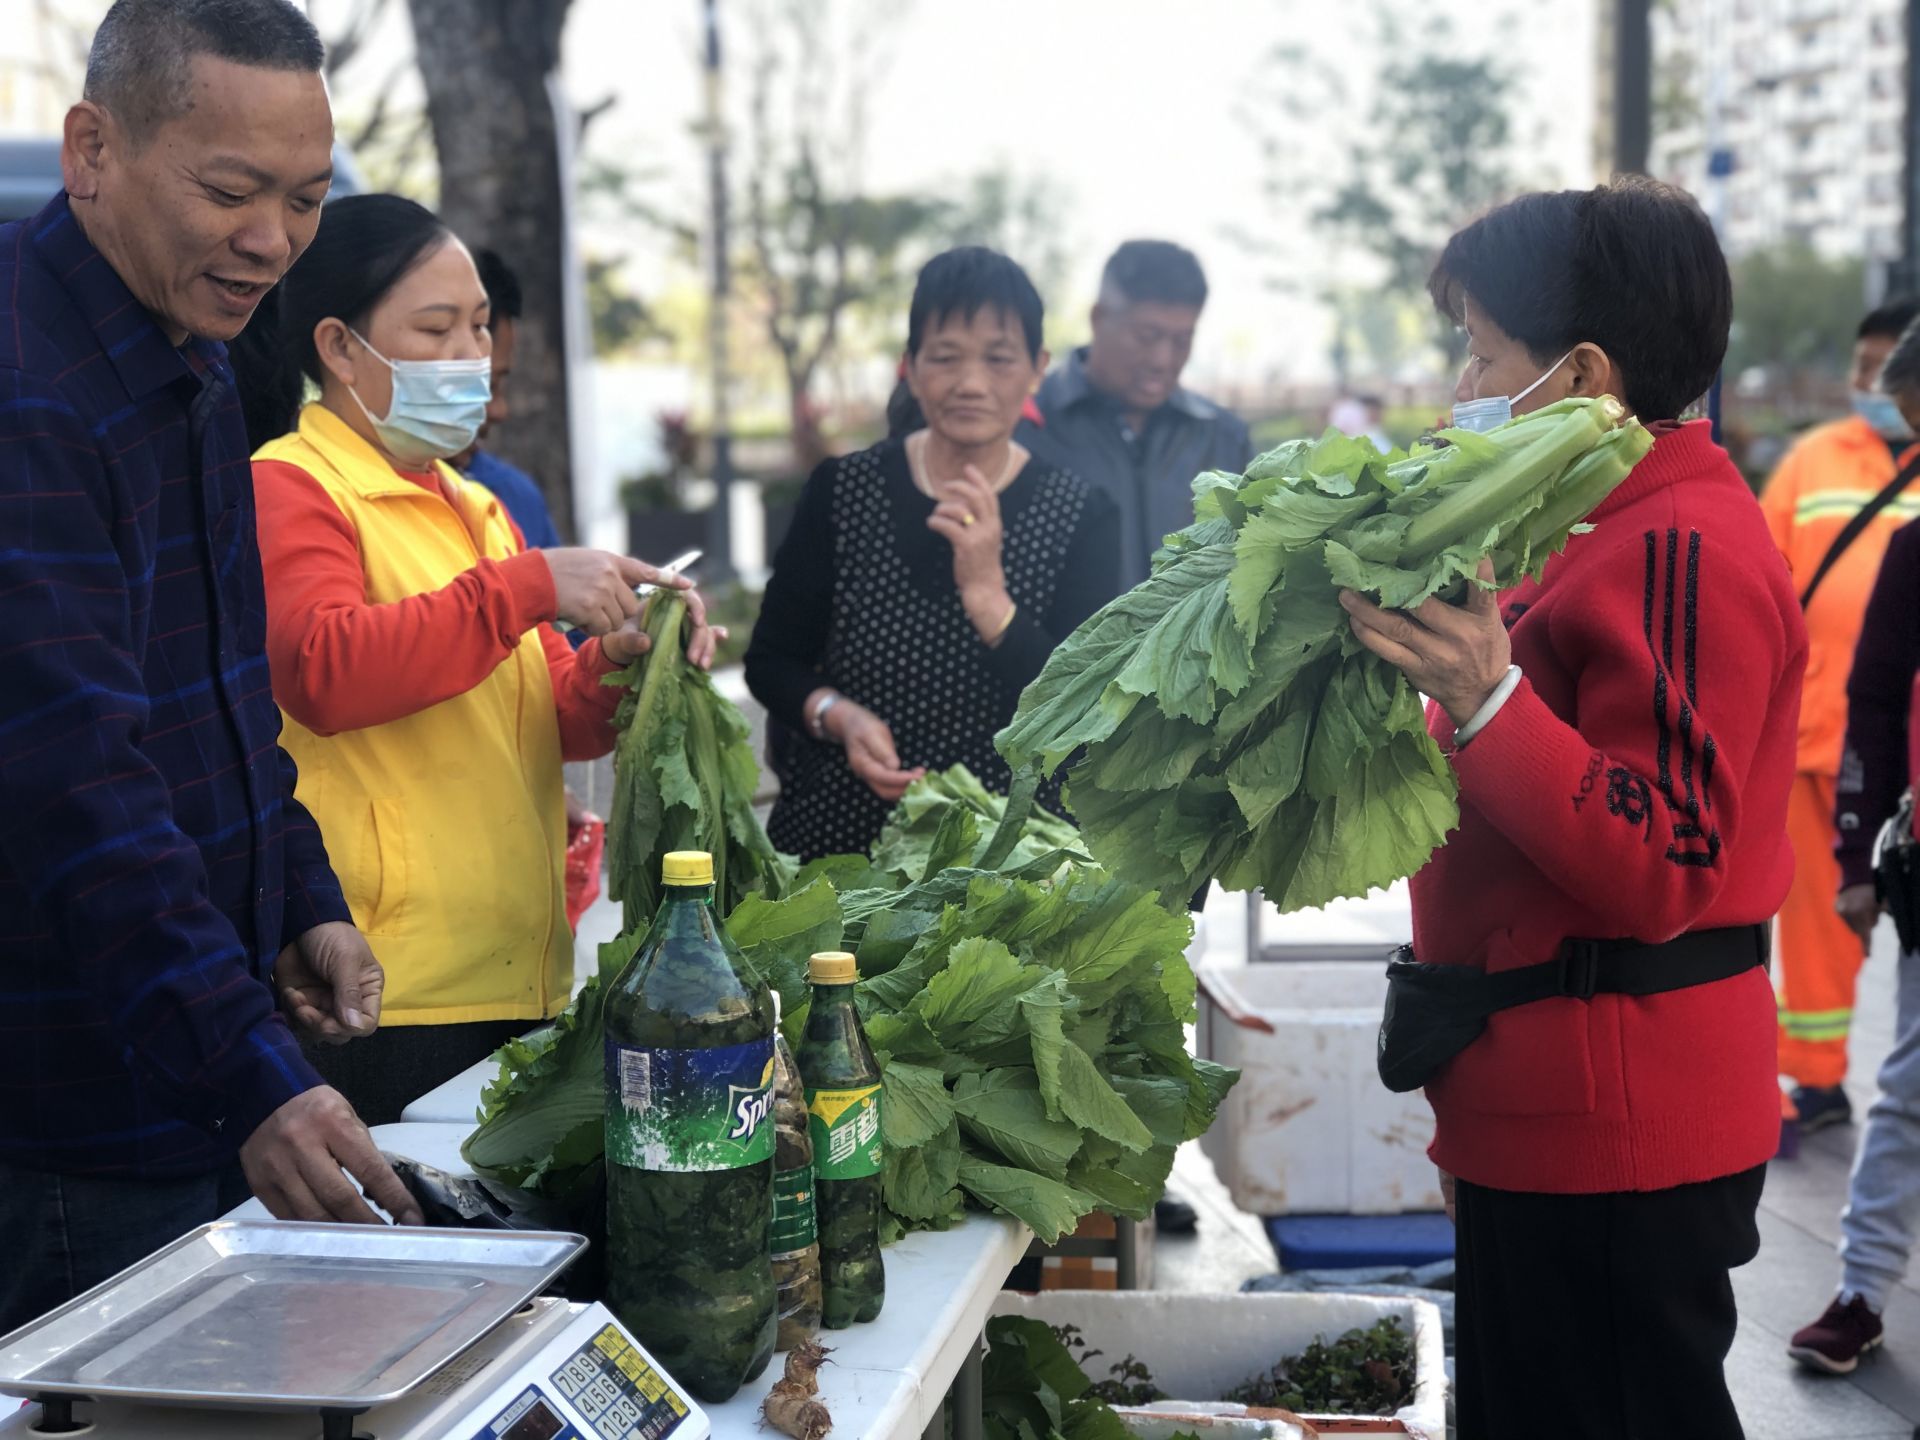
[(586, 844)]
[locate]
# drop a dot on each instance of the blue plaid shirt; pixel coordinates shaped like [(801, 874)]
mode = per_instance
[(153, 860)]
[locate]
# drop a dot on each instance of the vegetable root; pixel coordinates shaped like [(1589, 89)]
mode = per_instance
[(790, 1407)]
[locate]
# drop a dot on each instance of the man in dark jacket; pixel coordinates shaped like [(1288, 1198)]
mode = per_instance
[(1115, 414), (168, 915)]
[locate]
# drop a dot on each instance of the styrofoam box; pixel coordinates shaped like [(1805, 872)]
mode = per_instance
[(1310, 1129), (1199, 1346)]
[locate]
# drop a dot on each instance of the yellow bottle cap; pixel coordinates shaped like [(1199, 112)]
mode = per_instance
[(834, 967), (686, 867)]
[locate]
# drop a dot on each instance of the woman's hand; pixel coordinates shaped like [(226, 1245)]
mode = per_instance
[(627, 644), (1860, 908), (871, 755), (1447, 1196), (968, 515), (594, 589), (1457, 654)]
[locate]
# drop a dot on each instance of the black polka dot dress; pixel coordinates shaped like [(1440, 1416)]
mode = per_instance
[(863, 599)]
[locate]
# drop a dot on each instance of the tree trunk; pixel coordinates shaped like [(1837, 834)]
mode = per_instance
[(485, 65)]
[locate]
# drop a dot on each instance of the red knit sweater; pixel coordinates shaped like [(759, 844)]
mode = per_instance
[(1634, 785)]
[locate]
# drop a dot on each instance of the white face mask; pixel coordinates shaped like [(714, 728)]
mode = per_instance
[(437, 408), (1489, 412)]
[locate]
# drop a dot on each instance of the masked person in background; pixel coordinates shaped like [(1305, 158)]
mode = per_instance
[(1622, 731), (429, 700), (1824, 481), (1877, 1227)]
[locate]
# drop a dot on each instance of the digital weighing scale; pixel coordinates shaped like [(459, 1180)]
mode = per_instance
[(256, 1330)]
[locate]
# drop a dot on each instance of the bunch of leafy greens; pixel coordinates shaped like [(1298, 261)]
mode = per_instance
[(1031, 1388), (1031, 1035), (1028, 1015), (1364, 1372), (683, 779), (1228, 725), (924, 823)]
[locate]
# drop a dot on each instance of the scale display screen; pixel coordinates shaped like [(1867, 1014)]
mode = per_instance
[(529, 1417), (617, 1392)]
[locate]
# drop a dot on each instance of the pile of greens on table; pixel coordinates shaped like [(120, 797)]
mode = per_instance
[(1027, 1008)]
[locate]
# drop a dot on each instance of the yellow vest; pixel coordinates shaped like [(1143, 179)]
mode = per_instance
[(447, 829)]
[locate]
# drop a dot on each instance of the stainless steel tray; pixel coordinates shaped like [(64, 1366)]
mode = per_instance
[(266, 1313)]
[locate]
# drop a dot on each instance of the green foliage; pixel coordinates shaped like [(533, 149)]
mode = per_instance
[(1363, 1372), (684, 779), (1794, 312), (1227, 724), (1027, 1009)]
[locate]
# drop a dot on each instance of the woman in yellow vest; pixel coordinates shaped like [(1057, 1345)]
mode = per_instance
[(428, 701)]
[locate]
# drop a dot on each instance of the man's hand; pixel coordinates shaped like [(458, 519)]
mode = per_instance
[(1458, 654), (294, 1163), (1446, 1196), (329, 983), (1859, 907)]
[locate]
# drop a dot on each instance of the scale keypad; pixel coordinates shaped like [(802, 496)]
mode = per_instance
[(617, 1391)]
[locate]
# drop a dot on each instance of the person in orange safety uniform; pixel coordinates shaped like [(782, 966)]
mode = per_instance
[(1824, 481)]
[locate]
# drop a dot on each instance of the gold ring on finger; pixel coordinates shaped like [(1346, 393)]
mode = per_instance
[(966, 518)]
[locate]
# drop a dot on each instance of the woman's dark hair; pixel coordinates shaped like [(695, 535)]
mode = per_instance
[(501, 284), (364, 245), (1632, 267), (966, 281), (904, 415)]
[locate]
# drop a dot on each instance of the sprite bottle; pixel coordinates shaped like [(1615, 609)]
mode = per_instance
[(843, 1113), (689, 1137)]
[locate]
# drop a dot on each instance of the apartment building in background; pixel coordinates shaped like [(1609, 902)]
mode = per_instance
[(1783, 116)]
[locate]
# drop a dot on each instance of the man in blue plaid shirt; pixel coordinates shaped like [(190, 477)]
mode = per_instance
[(168, 916)]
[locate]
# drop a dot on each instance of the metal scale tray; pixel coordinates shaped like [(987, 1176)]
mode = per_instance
[(264, 1314)]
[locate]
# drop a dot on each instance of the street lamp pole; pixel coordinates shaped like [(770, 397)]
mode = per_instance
[(1633, 86), (718, 565)]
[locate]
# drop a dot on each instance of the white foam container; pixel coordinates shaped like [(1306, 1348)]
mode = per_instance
[(1198, 1346), (1310, 1129)]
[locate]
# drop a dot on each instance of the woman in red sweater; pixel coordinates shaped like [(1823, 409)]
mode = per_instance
[(1623, 734)]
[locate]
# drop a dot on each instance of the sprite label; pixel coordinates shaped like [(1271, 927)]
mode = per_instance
[(845, 1126), (793, 1223), (690, 1110)]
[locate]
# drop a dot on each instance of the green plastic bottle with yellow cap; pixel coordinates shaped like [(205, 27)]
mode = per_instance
[(843, 1112), (690, 1144)]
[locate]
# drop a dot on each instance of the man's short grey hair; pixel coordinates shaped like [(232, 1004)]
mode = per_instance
[(140, 68), (1900, 376)]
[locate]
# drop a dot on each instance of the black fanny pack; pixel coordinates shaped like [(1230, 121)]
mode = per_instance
[(1436, 1011)]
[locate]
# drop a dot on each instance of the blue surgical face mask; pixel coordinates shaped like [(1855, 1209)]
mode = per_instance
[(437, 409), (1490, 412), (1878, 410)]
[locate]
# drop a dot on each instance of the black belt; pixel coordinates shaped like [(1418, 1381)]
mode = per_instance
[(1435, 1011)]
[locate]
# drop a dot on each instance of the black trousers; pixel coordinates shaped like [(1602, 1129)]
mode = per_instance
[(1600, 1317), (393, 1067)]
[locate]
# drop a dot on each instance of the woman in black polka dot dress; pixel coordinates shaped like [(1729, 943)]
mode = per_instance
[(926, 580)]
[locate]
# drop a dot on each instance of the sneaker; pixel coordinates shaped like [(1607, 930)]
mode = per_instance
[(1834, 1343), (1822, 1105)]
